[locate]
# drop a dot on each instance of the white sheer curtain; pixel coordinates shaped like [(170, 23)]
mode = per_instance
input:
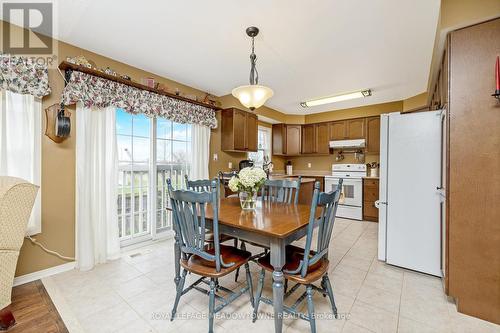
[(96, 193), (20, 145), (200, 150)]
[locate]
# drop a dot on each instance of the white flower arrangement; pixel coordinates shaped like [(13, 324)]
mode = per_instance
[(248, 180)]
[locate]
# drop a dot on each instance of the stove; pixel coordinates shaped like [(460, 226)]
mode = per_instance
[(351, 200)]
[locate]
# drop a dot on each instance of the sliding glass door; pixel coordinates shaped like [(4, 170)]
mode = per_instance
[(150, 150)]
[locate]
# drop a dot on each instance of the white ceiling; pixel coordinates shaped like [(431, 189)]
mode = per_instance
[(306, 49)]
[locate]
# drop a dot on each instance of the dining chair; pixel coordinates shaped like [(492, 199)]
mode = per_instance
[(277, 190), (191, 253), (205, 185), (305, 266), (224, 180), (282, 190)]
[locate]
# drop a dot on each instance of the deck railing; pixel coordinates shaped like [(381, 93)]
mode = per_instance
[(134, 204)]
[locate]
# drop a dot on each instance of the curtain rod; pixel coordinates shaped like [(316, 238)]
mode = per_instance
[(67, 66)]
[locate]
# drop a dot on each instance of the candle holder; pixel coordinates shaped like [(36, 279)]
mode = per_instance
[(496, 94)]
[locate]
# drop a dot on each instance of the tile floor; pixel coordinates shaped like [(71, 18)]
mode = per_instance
[(135, 294)]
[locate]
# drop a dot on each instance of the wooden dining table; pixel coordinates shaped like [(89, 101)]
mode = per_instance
[(272, 225)]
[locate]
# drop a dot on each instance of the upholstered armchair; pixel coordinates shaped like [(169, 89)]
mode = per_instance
[(17, 197)]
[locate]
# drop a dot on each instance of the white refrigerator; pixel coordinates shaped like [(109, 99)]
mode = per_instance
[(411, 191)]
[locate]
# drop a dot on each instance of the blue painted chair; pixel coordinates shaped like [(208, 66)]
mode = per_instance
[(282, 190), (304, 266), (191, 253), (205, 185), (277, 190)]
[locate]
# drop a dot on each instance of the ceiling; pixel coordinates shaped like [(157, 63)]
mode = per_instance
[(305, 49)]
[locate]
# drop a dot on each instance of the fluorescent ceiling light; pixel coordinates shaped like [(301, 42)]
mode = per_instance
[(337, 98)]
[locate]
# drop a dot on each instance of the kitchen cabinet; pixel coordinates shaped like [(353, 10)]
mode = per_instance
[(355, 128), (338, 130), (370, 195), (279, 139), (287, 139), (348, 129), (308, 139), (293, 139), (322, 139), (239, 130), (373, 134)]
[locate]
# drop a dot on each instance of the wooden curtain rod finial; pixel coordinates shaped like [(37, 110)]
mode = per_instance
[(54, 118)]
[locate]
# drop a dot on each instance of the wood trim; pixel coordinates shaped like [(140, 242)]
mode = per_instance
[(69, 66)]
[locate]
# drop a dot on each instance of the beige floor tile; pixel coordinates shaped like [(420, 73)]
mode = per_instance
[(379, 298), (133, 287), (110, 319), (356, 262), (373, 318), (352, 328), (407, 325), (383, 282), (137, 293)]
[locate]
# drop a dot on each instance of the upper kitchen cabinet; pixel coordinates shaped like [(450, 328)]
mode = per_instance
[(279, 139), (355, 128), (309, 139), (287, 139), (293, 139), (338, 130), (348, 129), (322, 138), (239, 130), (373, 134), (315, 138)]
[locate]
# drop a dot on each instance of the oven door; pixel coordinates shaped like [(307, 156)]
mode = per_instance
[(351, 190)]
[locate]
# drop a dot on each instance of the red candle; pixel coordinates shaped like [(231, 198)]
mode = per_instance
[(497, 74)]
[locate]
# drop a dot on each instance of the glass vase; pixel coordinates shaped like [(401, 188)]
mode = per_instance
[(248, 200)]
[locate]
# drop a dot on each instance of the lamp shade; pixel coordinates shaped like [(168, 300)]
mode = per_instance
[(252, 96)]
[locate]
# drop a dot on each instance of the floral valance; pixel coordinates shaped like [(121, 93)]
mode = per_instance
[(24, 75), (98, 92)]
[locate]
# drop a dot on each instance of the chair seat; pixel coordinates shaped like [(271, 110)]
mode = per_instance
[(230, 254), (209, 238), (293, 256)]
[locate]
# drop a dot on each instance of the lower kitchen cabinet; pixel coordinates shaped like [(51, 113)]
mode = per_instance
[(370, 195)]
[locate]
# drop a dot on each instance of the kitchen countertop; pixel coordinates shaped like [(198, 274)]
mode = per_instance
[(305, 174), (370, 177), (287, 177)]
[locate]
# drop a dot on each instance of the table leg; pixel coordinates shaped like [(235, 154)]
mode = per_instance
[(278, 261)]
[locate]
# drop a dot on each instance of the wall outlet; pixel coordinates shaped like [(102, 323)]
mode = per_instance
[(309, 165), (230, 165), (216, 157)]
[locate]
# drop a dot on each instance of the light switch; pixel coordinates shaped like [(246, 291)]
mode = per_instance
[(308, 165), (216, 157)]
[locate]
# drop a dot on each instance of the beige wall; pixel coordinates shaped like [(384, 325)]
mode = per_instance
[(416, 102), (456, 14), (58, 169)]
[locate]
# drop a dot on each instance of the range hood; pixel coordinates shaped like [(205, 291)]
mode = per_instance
[(358, 143)]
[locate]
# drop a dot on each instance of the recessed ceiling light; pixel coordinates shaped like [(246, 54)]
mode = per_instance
[(337, 98)]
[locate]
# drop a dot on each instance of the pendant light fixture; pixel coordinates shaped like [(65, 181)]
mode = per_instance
[(253, 95)]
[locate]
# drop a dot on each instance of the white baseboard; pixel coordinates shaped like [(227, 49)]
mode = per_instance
[(43, 273)]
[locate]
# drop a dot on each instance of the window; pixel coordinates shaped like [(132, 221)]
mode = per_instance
[(263, 146), (173, 146), (20, 145), (146, 147), (133, 140)]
